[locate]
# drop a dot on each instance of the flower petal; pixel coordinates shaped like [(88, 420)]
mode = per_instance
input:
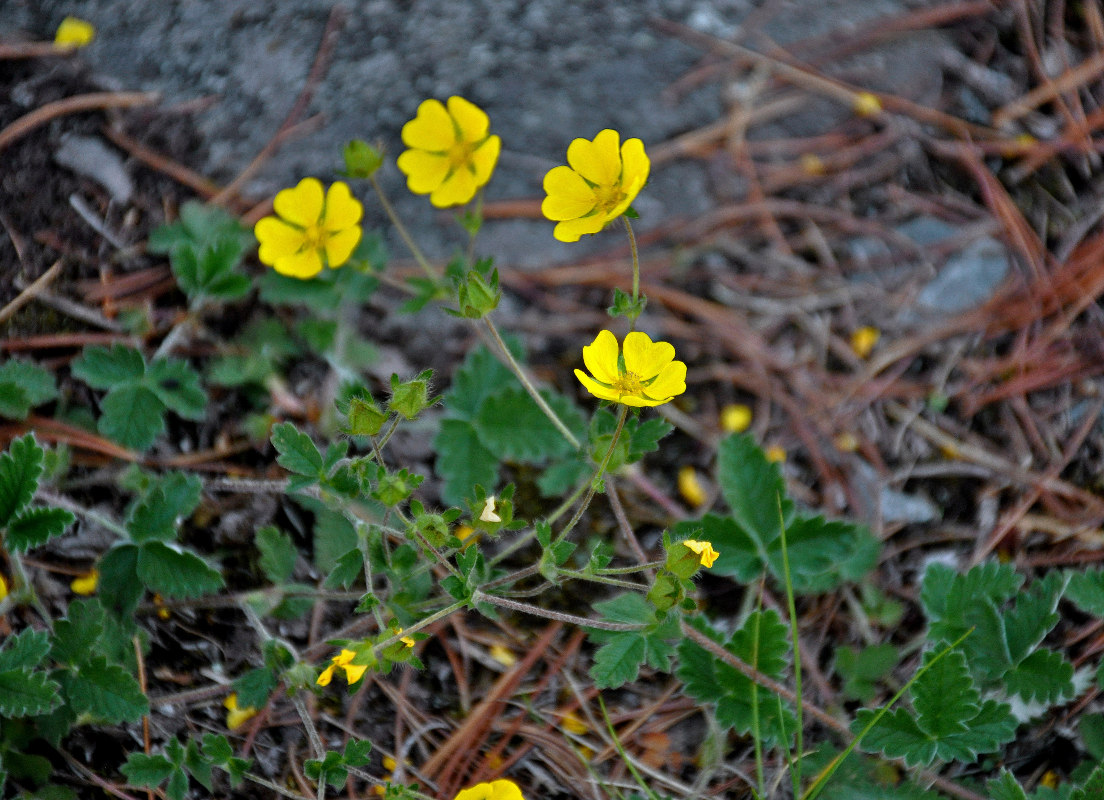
[(600, 357), (635, 164), (342, 209), (326, 676), (301, 205), (630, 192), (277, 239), (424, 171), (340, 245), (354, 672), (645, 357), (569, 196), (598, 161), (570, 230), (595, 388), (304, 264), (471, 119), (501, 789), (484, 159), (431, 128), (670, 383), (458, 188)]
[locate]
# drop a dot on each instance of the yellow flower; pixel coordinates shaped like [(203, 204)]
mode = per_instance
[(86, 584), (309, 230), (572, 724), (236, 717), (863, 340), (495, 790), (353, 672), (3, 588), (74, 32), (735, 418), (644, 374), (704, 550), (690, 487), (601, 182), (452, 153), (866, 104), (775, 454)]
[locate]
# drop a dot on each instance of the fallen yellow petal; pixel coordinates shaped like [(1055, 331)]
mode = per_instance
[(86, 584), (74, 32), (863, 340), (503, 655), (735, 418), (690, 487), (866, 104)]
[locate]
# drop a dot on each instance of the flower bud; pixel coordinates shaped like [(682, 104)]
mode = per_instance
[(410, 398), (362, 160), (365, 417)]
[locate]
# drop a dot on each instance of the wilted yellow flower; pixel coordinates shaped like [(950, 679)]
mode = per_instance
[(495, 790), (690, 487), (643, 373), (866, 104), (235, 716), (863, 340), (310, 230), (600, 184), (452, 153), (3, 588), (735, 418), (86, 584), (704, 550), (353, 672), (489, 514), (503, 655), (74, 32)]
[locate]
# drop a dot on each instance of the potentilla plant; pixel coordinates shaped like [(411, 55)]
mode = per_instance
[(408, 559)]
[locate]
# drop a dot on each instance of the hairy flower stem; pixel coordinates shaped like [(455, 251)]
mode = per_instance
[(403, 232), (422, 623), (525, 608), (635, 259), (598, 473), (515, 367)]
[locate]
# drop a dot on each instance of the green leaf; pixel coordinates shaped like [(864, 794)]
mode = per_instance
[(132, 415), (944, 696), (36, 526), (1044, 675), (177, 385), (862, 670), (480, 376), (993, 726), (1086, 590), (76, 636), (24, 385), (176, 573), (1093, 787), (101, 368), (153, 518), (346, 570), (24, 650), (254, 687), (198, 225), (618, 661), (512, 426), (463, 461), (20, 469), (298, 454), (218, 749), (147, 771), (739, 553), (945, 593), (14, 402), (105, 691), (1005, 787), (25, 693), (1034, 615), (896, 735), (278, 553), (752, 486), (120, 589)]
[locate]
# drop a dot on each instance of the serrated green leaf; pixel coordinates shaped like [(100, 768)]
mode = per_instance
[(101, 368), (511, 425), (944, 695), (253, 688), (1034, 615), (1005, 787), (298, 454), (176, 573), (105, 691), (895, 735), (463, 461), (34, 527), (629, 608), (346, 570), (24, 385), (558, 479), (480, 376), (25, 693), (1044, 675), (644, 436), (816, 547), (993, 726), (20, 468), (75, 636), (863, 669), (752, 486), (132, 415), (120, 589), (278, 553), (1093, 787), (199, 223), (153, 518), (14, 402), (1091, 728), (739, 553), (357, 752), (1086, 590), (147, 771), (618, 661), (945, 593), (24, 650), (177, 385)]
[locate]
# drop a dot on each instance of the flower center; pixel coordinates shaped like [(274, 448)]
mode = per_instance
[(608, 197), (460, 154), (628, 383), (314, 237)]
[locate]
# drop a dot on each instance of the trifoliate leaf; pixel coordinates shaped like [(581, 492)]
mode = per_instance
[(24, 693), (176, 573), (298, 454), (1086, 591), (101, 368), (1044, 675), (618, 661), (24, 385), (480, 376), (463, 461), (944, 695), (20, 469), (132, 415), (120, 589), (147, 771), (177, 385), (75, 636), (278, 553), (511, 425), (36, 526), (24, 650), (105, 691), (1034, 615)]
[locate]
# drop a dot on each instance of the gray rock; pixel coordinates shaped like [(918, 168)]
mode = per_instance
[(968, 279), (927, 230), (93, 158)]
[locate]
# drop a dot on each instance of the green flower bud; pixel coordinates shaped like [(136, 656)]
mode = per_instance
[(476, 297), (667, 592), (395, 487), (411, 398), (362, 159), (365, 417)]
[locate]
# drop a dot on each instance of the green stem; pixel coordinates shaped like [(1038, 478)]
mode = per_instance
[(403, 232), (621, 752), (598, 578), (635, 264), (515, 367), (601, 624), (424, 623), (792, 610), (591, 488)]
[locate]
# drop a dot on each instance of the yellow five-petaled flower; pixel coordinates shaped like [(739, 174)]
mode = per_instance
[(452, 152), (310, 230), (495, 790), (642, 373), (704, 550), (353, 672), (601, 182)]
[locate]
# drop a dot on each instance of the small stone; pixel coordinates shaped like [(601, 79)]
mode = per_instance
[(968, 279), (91, 157)]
